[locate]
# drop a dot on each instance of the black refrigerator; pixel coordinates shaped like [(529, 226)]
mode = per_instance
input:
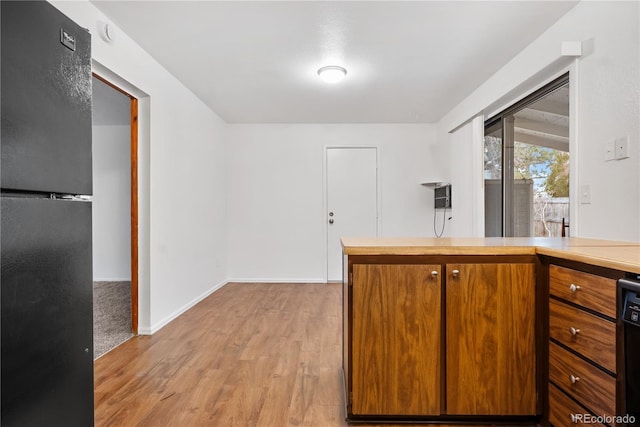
[(46, 292)]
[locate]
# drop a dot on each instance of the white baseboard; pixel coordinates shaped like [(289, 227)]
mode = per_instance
[(167, 319), (272, 280)]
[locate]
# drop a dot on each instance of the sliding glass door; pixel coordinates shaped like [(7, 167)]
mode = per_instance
[(526, 165)]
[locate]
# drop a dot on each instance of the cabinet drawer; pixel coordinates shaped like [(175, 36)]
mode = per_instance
[(562, 410), (592, 387), (594, 337), (594, 292)]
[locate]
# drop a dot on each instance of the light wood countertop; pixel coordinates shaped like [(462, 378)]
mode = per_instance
[(625, 258), (605, 253)]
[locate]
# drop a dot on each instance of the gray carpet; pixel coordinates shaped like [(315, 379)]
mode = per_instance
[(111, 315)]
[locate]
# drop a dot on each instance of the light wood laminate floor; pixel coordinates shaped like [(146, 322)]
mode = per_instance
[(248, 355), (258, 354)]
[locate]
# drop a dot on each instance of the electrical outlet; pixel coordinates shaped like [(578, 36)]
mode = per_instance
[(609, 150), (622, 147), (585, 194)]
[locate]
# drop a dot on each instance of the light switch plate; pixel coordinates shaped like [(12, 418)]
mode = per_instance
[(609, 150), (585, 194), (622, 147)]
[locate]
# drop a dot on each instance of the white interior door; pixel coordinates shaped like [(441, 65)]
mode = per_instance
[(352, 200)]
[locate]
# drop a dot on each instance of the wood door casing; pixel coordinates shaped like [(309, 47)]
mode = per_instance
[(133, 125), (396, 339), (491, 340)]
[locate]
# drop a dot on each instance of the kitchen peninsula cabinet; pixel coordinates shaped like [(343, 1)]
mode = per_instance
[(495, 347), (491, 351), (433, 338), (582, 341), (396, 346)]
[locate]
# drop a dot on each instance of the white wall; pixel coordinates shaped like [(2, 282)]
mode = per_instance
[(182, 177), (606, 87), (111, 208), (270, 194), (277, 222), (458, 158)]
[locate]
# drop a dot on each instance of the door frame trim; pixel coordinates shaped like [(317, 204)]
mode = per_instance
[(133, 124)]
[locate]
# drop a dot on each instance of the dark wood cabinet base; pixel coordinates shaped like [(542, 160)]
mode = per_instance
[(441, 339)]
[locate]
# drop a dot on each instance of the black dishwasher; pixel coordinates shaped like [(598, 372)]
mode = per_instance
[(629, 297)]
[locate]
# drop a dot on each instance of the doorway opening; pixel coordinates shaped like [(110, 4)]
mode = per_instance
[(526, 166), (115, 215)]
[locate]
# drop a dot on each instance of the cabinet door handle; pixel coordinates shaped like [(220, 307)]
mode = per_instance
[(574, 288), (573, 379), (455, 273), (573, 331), (434, 273)]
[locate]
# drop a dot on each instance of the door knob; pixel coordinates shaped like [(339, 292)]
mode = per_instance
[(330, 220)]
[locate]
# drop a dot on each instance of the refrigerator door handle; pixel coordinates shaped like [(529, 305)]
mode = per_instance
[(71, 197)]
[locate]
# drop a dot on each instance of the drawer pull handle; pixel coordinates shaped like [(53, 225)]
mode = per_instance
[(573, 379), (574, 288), (574, 331), (434, 273), (455, 273)]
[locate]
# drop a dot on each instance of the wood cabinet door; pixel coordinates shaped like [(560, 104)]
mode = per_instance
[(396, 339), (491, 358)]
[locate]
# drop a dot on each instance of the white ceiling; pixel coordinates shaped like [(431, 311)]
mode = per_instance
[(407, 61)]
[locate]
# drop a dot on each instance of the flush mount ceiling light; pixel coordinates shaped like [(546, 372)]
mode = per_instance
[(332, 73)]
